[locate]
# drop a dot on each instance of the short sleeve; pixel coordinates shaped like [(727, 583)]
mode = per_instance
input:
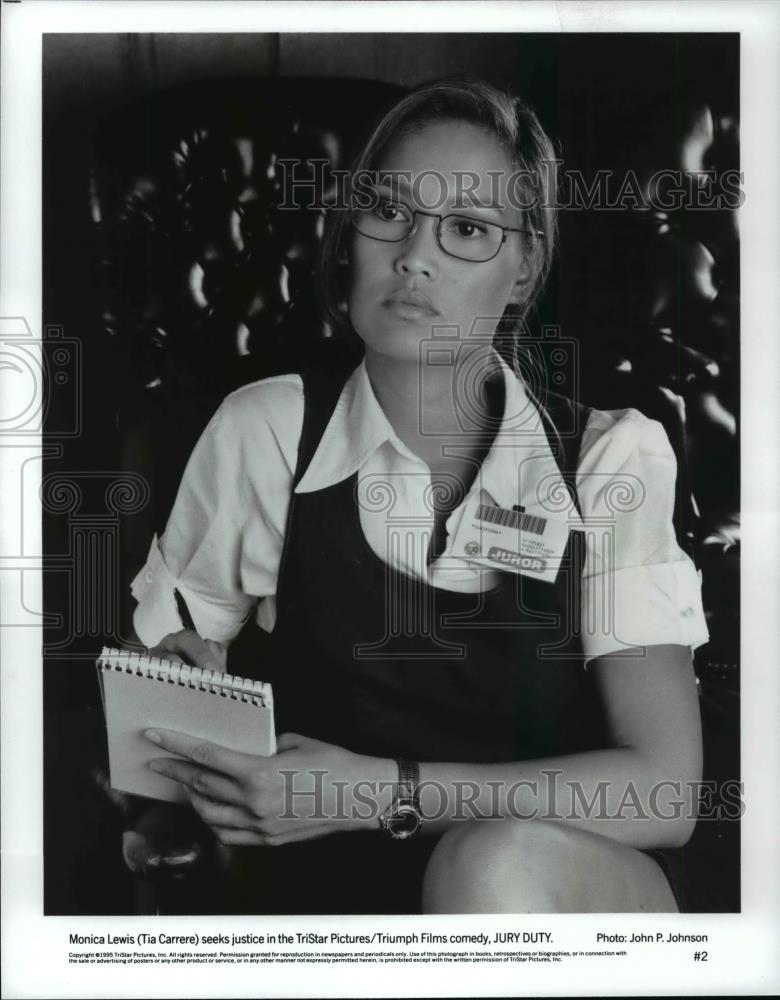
[(639, 588), (222, 544)]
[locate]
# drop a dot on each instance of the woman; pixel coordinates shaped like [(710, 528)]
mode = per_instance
[(438, 731)]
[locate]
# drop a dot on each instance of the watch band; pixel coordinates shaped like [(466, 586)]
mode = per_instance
[(408, 780), (403, 818)]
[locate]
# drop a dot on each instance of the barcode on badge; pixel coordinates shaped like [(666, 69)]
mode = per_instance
[(511, 519)]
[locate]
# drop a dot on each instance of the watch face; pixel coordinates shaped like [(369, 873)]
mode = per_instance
[(405, 821)]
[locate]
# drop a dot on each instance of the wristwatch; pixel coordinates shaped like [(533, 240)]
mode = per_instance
[(403, 818)]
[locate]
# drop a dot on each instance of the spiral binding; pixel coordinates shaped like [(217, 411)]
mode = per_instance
[(172, 672)]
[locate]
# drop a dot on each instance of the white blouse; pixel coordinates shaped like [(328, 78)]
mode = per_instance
[(222, 544)]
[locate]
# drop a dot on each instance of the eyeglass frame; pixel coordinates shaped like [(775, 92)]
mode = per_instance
[(450, 215)]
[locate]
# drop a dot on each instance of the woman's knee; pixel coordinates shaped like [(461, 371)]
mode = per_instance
[(531, 866), (494, 866)]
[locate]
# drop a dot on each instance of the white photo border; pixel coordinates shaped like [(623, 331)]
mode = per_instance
[(742, 946)]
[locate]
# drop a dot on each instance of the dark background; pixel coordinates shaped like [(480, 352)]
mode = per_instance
[(660, 295)]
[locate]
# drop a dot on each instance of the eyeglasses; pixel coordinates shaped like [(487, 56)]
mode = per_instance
[(459, 236)]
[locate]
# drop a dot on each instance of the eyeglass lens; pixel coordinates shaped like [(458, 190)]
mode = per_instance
[(458, 235)]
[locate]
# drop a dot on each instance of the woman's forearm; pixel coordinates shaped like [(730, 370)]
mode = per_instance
[(618, 793)]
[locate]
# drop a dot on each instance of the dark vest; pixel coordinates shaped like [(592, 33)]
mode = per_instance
[(369, 659)]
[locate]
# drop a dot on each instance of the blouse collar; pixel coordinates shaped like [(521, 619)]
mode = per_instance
[(519, 469)]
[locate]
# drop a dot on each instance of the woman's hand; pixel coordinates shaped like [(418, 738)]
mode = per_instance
[(188, 647), (307, 789)]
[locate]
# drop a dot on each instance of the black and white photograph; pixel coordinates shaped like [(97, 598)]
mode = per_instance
[(389, 485)]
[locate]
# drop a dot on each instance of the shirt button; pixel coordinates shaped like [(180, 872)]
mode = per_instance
[(148, 576), (687, 612)]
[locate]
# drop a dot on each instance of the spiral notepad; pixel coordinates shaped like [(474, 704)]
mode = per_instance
[(142, 692)]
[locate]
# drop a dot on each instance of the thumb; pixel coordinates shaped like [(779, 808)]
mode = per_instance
[(290, 741)]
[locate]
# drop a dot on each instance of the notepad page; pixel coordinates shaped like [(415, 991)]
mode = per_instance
[(134, 703)]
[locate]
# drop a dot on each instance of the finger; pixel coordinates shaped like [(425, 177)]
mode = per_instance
[(207, 754), (246, 838), (218, 653), (208, 784), (309, 831), (162, 653), (231, 835), (289, 741), (203, 653), (170, 645), (204, 775), (218, 814)]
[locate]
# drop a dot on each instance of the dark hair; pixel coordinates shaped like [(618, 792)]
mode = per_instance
[(517, 128)]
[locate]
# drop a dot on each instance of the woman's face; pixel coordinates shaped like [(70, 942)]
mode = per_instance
[(448, 159)]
